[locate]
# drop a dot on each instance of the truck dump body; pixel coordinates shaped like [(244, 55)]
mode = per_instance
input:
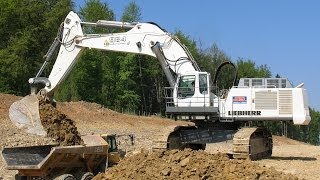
[(49, 160), (25, 157)]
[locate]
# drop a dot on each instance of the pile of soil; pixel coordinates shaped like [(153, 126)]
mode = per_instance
[(57, 125), (189, 164)]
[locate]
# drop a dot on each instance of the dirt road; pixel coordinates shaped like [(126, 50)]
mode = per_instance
[(299, 159)]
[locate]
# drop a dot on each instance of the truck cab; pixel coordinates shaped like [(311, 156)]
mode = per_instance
[(113, 154)]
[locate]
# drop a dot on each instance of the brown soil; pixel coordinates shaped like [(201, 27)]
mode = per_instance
[(189, 164), (299, 159), (62, 129), (282, 140)]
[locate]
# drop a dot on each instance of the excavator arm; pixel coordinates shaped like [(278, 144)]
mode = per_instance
[(139, 38)]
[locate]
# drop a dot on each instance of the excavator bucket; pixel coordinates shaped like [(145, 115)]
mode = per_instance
[(25, 115)]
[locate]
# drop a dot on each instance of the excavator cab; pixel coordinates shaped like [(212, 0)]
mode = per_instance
[(191, 97), (193, 90)]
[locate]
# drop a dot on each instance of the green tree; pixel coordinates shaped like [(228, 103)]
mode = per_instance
[(308, 133), (24, 33), (127, 96), (96, 10), (128, 85), (132, 13), (211, 60), (314, 127), (93, 11), (189, 43), (249, 69)]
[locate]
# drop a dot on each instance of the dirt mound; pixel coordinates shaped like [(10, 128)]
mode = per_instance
[(91, 112), (5, 102), (188, 164), (57, 125)]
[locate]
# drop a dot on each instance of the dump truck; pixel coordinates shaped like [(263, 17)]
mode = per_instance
[(63, 162)]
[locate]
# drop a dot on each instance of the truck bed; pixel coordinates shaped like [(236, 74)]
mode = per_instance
[(41, 160), (25, 156)]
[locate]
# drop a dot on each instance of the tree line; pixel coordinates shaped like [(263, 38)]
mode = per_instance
[(115, 80)]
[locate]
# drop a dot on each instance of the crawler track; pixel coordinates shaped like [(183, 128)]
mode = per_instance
[(248, 143), (252, 143), (160, 141)]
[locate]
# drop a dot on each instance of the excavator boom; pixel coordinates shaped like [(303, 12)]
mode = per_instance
[(140, 38)]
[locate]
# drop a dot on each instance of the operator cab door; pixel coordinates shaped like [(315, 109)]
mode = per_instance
[(193, 90)]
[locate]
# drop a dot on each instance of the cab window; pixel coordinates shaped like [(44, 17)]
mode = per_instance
[(112, 143), (203, 85), (186, 86)]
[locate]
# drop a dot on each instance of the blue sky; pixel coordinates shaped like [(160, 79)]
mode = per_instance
[(284, 34)]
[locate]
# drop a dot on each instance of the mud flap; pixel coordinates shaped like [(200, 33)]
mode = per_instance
[(25, 115)]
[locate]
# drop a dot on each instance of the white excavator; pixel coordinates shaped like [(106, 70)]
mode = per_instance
[(192, 96)]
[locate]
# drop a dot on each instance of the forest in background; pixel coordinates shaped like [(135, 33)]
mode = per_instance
[(119, 81)]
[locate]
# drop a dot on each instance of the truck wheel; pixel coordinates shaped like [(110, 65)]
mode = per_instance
[(65, 177), (101, 167), (18, 177), (84, 175)]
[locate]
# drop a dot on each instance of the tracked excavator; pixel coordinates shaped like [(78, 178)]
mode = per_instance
[(218, 115)]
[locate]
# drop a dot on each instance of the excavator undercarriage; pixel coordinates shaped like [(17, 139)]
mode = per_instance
[(248, 142)]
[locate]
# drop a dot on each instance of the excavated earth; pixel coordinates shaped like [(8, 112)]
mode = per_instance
[(57, 125), (290, 160), (189, 164)]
